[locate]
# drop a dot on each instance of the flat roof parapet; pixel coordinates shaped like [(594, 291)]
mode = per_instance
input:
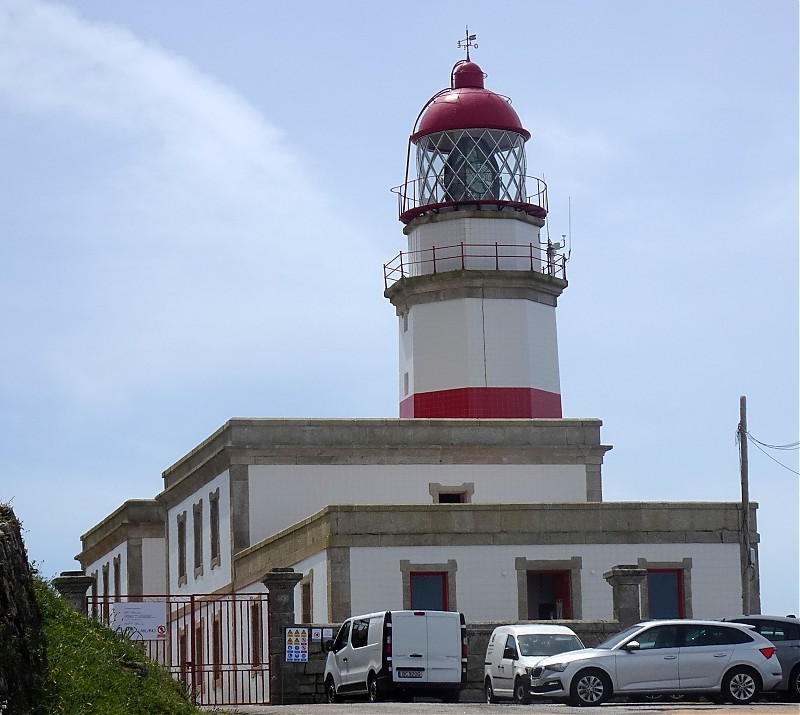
[(393, 441)]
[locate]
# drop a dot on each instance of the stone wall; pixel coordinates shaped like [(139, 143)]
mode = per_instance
[(308, 676), (22, 654)]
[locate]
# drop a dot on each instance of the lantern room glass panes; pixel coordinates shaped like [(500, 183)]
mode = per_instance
[(470, 165)]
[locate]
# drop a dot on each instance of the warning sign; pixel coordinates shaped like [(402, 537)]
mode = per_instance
[(296, 645), (140, 620)]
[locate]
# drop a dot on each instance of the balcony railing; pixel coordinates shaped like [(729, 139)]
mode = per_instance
[(432, 194), (476, 257)]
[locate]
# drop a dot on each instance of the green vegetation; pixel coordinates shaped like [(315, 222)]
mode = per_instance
[(94, 670)]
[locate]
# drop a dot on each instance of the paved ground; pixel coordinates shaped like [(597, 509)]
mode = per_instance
[(361, 708)]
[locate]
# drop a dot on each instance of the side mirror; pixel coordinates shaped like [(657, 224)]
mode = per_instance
[(632, 645), (510, 653), (328, 646)]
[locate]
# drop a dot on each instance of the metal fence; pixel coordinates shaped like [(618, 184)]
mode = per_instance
[(215, 644)]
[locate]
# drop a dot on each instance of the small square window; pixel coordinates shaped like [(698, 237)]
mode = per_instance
[(452, 498)]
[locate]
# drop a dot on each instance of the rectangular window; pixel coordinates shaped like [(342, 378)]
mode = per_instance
[(181, 529), (94, 595), (429, 591), (213, 516), (117, 578), (665, 593), (306, 613), (358, 639), (105, 593), (197, 530), (183, 653), (198, 646), (216, 647), (452, 498), (256, 634), (549, 595)]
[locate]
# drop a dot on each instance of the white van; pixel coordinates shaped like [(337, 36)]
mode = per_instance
[(398, 654), (512, 653)]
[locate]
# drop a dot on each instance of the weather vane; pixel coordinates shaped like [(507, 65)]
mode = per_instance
[(467, 42)]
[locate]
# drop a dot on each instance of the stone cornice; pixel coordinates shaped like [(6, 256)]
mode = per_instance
[(477, 525), (453, 285), (136, 518), (462, 213), (384, 441)]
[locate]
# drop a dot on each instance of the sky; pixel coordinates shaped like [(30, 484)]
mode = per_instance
[(196, 211)]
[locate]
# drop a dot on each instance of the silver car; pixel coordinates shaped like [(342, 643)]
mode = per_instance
[(725, 660), (784, 633)]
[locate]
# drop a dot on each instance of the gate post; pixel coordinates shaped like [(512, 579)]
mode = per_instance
[(72, 585), (625, 584), (280, 583)]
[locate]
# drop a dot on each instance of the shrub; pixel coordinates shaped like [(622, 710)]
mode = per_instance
[(94, 670)]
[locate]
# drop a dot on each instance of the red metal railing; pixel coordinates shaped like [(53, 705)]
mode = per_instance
[(215, 644), (421, 195), (476, 256)]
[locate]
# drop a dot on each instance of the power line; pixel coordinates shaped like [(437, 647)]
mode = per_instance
[(793, 445), (758, 447)]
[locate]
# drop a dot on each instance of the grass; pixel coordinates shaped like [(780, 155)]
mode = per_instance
[(94, 670)]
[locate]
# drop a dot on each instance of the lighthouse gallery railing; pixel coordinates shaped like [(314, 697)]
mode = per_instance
[(476, 256)]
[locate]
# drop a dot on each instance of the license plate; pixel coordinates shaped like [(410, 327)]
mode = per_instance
[(409, 673)]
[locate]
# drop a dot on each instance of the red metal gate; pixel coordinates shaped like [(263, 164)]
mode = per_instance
[(216, 644)]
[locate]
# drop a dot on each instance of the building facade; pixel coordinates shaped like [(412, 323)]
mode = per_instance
[(481, 497)]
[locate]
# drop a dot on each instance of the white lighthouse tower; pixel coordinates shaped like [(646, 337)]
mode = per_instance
[(476, 289)]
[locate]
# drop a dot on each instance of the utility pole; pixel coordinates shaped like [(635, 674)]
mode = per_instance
[(745, 533)]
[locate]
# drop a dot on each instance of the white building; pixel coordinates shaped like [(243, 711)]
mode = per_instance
[(481, 497)]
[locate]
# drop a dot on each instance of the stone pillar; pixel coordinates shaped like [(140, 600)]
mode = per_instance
[(283, 688), (625, 581), (72, 585)]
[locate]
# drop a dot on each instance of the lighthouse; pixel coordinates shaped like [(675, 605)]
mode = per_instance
[(476, 289)]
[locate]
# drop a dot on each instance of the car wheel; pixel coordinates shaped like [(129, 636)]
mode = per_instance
[(794, 684), (372, 689), (740, 686), (521, 694), (589, 688), (330, 691), (489, 690)]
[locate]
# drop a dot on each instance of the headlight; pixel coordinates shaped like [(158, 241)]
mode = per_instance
[(556, 667)]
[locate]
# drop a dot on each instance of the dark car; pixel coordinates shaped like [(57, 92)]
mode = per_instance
[(784, 632)]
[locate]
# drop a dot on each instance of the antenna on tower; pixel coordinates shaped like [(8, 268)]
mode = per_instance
[(569, 226), (467, 42)]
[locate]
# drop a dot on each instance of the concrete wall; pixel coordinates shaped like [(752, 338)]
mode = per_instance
[(154, 574), (210, 576), (486, 580), (305, 489), (476, 342), (492, 547)]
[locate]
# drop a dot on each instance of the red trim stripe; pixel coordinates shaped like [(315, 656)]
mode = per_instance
[(483, 402)]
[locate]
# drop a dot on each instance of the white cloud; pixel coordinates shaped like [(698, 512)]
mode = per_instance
[(197, 225)]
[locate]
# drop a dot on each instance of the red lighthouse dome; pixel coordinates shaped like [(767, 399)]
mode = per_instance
[(467, 150), (468, 105)]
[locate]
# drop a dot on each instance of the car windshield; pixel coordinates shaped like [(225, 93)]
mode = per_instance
[(548, 644), (617, 638)]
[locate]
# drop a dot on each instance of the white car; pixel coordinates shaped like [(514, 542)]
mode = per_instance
[(514, 650), (725, 660)]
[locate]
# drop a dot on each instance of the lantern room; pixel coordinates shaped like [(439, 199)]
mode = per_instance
[(469, 152)]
